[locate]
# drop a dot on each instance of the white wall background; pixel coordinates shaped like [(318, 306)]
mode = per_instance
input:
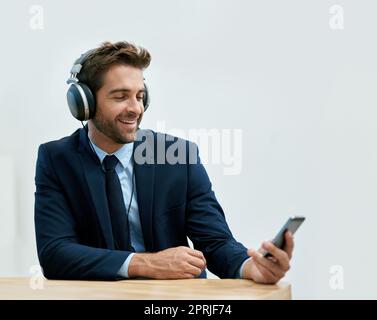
[(303, 94)]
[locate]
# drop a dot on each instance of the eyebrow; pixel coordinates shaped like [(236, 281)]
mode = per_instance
[(123, 90)]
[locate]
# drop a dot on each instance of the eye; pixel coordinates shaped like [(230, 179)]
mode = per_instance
[(120, 98), (140, 98)]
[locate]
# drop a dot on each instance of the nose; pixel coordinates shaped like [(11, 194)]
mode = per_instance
[(134, 106)]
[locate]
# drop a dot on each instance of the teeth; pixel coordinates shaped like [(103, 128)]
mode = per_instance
[(128, 122)]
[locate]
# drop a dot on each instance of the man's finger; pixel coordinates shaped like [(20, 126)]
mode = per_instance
[(279, 254), (250, 252), (271, 266), (197, 262), (289, 244), (196, 253), (269, 277), (195, 271)]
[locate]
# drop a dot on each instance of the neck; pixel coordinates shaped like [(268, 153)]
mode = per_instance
[(102, 141)]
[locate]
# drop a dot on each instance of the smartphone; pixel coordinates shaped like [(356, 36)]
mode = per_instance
[(291, 225)]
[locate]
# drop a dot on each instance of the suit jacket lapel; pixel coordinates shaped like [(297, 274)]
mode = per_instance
[(95, 179), (144, 175)]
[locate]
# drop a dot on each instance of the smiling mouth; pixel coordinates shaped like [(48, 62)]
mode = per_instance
[(128, 121), (128, 124)]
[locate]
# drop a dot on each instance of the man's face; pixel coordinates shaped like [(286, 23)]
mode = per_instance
[(119, 108)]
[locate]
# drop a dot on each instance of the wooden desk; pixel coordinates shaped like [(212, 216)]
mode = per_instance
[(196, 289)]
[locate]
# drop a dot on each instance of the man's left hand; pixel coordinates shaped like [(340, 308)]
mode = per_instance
[(271, 269)]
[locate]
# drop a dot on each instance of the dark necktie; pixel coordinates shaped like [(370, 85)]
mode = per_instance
[(118, 213)]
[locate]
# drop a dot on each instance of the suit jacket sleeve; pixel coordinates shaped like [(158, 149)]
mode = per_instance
[(207, 227), (60, 253)]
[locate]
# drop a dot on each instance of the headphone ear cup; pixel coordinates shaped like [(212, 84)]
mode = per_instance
[(146, 98), (91, 100), (81, 101)]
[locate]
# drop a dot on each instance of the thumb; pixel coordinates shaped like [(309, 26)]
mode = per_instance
[(250, 252)]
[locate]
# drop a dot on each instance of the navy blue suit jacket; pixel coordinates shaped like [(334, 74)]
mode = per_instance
[(176, 201)]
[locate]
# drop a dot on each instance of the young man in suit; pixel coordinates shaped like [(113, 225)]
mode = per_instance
[(109, 204)]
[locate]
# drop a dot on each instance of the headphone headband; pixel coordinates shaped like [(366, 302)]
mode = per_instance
[(77, 66)]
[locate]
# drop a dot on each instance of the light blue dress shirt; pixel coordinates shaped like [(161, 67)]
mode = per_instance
[(124, 170)]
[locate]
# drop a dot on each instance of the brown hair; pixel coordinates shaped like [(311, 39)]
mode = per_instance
[(107, 55)]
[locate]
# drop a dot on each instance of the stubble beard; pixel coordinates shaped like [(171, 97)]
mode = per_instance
[(110, 128)]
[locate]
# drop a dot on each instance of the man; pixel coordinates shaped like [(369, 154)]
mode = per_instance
[(103, 213)]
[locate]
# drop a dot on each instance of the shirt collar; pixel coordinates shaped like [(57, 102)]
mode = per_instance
[(123, 154)]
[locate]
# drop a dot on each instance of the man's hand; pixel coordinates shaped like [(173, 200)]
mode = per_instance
[(172, 263), (269, 270)]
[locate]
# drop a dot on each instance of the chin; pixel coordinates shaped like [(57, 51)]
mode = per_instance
[(129, 137)]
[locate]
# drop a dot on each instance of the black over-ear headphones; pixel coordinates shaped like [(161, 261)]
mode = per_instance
[(80, 98)]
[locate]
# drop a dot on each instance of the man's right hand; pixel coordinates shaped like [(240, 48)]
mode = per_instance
[(172, 263)]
